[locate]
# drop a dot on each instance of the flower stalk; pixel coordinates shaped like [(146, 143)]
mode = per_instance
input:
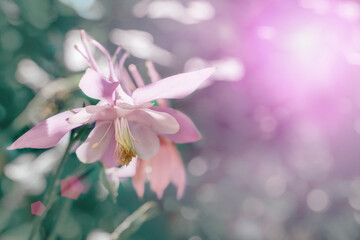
[(51, 194)]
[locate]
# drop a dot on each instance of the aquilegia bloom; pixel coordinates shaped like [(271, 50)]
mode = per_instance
[(166, 166), (127, 126)]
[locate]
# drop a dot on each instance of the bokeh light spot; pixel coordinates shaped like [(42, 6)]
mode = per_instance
[(275, 186), (318, 200), (254, 207), (11, 39), (98, 235), (349, 10), (195, 238), (266, 32), (197, 166), (305, 43)]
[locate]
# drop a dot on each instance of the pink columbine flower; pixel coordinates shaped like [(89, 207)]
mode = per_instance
[(166, 166), (127, 126)]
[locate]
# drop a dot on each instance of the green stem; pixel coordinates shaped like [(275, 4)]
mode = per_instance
[(65, 209), (50, 195), (133, 222)]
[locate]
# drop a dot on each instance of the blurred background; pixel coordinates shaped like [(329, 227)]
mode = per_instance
[(280, 153)]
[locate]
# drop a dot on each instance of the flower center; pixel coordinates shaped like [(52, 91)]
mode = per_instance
[(125, 149)]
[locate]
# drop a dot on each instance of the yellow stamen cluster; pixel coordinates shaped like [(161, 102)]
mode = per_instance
[(124, 149)]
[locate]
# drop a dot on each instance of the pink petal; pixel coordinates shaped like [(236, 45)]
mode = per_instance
[(112, 78), (161, 169), (82, 117), (178, 176), (177, 86), (37, 208), (159, 121), (96, 144), (71, 187), (146, 141), (140, 177), (47, 133), (96, 86), (188, 131), (109, 159), (92, 113)]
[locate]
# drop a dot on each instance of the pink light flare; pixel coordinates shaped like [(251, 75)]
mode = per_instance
[(37, 208), (313, 51), (303, 56), (304, 61), (305, 42)]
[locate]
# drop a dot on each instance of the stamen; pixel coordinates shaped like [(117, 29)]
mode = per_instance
[(125, 149), (96, 145)]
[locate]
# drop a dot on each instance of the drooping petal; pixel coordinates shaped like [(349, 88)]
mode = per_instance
[(96, 86), (177, 86), (146, 141), (97, 143), (178, 176), (47, 133), (159, 121), (139, 179), (187, 132), (161, 169)]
